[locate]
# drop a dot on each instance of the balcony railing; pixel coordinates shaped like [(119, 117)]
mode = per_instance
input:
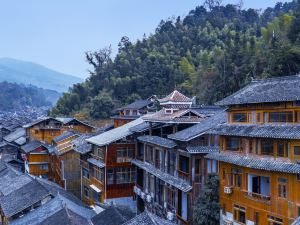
[(264, 198), (183, 175)]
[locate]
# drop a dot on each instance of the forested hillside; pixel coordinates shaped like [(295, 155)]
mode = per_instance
[(212, 52), (15, 97)]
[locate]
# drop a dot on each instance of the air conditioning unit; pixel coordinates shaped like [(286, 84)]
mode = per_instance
[(170, 216), (143, 195), (228, 190), (227, 222), (149, 198), (137, 190)]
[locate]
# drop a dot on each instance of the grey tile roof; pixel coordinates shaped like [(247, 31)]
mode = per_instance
[(39, 121), (66, 120), (19, 132), (144, 127), (202, 149), (200, 128), (269, 90), (115, 134), (22, 198), (64, 135), (156, 140), (58, 210), (179, 116), (20, 141), (174, 181), (31, 146), (147, 218), (113, 215), (96, 162), (281, 131), (267, 163), (81, 145), (138, 104)]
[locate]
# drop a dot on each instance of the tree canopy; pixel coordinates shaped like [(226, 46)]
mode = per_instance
[(212, 52)]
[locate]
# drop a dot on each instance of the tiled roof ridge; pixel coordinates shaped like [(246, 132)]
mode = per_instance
[(276, 78)]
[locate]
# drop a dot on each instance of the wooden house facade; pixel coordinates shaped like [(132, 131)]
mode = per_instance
[(42, 134), (260, 150), (107, 172), (131, 112), (171, 168)]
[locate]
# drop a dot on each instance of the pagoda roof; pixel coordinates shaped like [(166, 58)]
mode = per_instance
[(175, 97)]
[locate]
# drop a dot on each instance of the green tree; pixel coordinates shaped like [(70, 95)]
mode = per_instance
[(101, 105), (207, 208)]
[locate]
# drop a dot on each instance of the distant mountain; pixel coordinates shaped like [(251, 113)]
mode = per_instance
[(18, 96), (28, 73)]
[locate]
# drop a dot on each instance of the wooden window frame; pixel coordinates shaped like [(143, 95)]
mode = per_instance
[(282, 186), (236, 213)]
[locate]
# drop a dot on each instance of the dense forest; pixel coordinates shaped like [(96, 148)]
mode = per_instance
[(212, 52), (15, 96)]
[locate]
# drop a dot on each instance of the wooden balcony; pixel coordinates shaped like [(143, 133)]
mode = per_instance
[(256, 196), (183, 175)]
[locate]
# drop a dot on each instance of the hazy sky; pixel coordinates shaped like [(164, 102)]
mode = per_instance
[(56, 33)]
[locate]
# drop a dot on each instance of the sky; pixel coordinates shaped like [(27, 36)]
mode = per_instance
[(57, 33)]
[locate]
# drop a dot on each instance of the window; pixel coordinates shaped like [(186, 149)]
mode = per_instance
[(149, 154), (258, 118), (232, 144), (272, 220), (297, 150), (134, 112), (239, 214), (266, 147), (237, 177), (124, 154), (297, 116), (239, 117), (86, 191), (85, 173), (98, 174), (127, 112), (43, 167), (282, 187), (250, 146), (140, 152), (96, 196), (98, 152), (171, 162), (281, 117), (184, 164), (282, 149), (223, 173), (110, 176), (125, 175), (171, 197)]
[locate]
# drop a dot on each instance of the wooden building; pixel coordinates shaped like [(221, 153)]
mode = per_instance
[(260, 151), (36, 156), (47, 128), (107, 172), (171, 168), (131, 112), (41, 135)]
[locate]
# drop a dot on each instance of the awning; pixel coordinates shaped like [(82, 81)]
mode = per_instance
[(95, 188)]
